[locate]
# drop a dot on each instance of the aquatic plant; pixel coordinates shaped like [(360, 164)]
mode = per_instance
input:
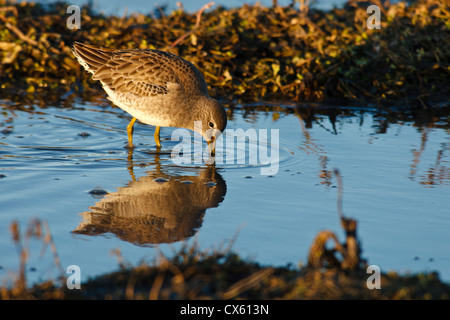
[(250, 53)]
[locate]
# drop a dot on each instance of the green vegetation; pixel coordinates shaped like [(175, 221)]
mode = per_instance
[(251, 53)]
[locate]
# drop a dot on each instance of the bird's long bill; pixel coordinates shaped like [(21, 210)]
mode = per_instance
[(211, 136), (212, 146)]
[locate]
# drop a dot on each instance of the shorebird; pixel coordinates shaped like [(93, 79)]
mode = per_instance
[(150, 211), (155, 87)]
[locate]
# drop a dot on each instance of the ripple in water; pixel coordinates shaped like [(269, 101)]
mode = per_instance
[(237, 152)]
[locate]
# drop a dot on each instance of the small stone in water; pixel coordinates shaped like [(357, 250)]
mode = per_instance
[(98, 192)]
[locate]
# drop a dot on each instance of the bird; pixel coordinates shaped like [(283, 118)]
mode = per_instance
[(160, 207), (155, 87)]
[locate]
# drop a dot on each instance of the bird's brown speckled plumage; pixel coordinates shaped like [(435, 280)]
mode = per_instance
[(155, 87)]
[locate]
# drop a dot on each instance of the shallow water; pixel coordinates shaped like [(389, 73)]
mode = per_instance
[(68, 165)]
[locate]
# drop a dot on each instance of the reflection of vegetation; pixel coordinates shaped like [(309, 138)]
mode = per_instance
[(310, 114), (247, 53), (439, 172), (322, 116)]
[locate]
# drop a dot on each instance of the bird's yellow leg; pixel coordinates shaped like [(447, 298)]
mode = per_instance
[(156, 135), (130, 132)]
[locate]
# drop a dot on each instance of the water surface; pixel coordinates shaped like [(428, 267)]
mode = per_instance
[(68, 164)]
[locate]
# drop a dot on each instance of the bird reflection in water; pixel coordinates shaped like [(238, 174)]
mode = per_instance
[(156, 208)]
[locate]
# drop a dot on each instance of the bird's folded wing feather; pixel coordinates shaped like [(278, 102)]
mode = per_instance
[(144, 73)]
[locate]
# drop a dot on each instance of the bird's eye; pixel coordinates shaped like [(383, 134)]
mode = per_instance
[(211, 125)]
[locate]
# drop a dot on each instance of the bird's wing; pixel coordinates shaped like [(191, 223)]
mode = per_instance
[(142, 72)]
